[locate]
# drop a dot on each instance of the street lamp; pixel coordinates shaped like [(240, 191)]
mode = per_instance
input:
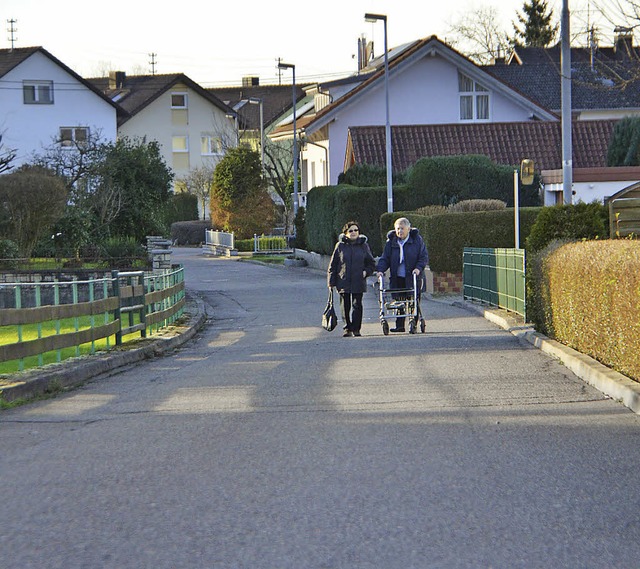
[(295, 142), (372, 18), (258, 101)]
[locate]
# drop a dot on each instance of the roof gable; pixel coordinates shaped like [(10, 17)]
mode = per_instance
[(12, 58), (430, 46), (139, 91)]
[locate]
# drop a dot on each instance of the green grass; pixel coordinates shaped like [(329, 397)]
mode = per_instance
[(9, 335)]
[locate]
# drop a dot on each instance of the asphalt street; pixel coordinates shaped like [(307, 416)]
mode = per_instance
[(267, 442)]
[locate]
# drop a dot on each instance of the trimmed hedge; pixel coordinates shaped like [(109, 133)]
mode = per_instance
[(446, 235), (589, 299), (190, 232)]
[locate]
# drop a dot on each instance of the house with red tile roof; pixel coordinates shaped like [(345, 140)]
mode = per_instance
[(429, 83)]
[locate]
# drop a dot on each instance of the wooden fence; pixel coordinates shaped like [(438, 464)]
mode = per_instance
[(624, 217), (98, 309)]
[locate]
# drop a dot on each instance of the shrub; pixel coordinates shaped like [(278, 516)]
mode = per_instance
[(579, 221), (432, 210), (122, 251), (477, 205), (368, 175), (181, 207), (190, 232), (9, 253)]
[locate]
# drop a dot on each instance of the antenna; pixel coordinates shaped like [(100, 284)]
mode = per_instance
[(153, 62), (12, 30), (279, 60)]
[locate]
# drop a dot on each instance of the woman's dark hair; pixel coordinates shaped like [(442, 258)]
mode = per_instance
[(346, 226)]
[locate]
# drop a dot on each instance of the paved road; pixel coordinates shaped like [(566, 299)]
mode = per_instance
[(267, 442)]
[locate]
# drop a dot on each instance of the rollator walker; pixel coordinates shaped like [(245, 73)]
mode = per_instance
[(398, 303)]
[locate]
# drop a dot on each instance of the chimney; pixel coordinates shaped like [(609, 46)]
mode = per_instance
[(250, 81), (623, 42), (116, 79), (365, 52)]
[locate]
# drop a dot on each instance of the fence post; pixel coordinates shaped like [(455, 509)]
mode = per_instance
[(116, 312)]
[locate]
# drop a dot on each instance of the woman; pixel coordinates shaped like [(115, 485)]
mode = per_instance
[(350, 265)]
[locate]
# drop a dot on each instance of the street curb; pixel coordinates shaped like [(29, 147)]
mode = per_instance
[(610, 382), (68, 373)]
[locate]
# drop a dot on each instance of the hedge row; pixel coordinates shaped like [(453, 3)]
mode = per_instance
[(586, 295), (447, 234)]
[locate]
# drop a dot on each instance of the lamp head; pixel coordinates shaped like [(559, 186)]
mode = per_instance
[(372, 18)]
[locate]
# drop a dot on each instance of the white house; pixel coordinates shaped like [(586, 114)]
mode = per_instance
[(429, 83), (192, 126), (43, 101)]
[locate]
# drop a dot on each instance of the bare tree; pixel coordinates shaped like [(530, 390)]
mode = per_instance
[(482, 39), (7, 156), (198, 183)]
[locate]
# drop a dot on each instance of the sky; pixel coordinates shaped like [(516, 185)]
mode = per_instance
[(217, 44)]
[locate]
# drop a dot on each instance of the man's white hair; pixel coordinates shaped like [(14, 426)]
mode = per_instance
[(403, 221)]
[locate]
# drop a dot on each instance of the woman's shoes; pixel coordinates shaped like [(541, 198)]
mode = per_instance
[(347, 334), (357, 333)]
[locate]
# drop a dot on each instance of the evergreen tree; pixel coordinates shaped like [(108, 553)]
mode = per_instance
[(536, 30), (624, 148)]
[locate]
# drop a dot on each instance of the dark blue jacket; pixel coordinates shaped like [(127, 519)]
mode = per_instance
[(415, 254), (347, 264)]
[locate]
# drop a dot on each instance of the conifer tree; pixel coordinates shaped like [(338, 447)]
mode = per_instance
[(535, 29)]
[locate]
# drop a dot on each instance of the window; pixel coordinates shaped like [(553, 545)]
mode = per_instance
[(180, 144), (74, 137), (474, 99), (210, 145), (37, 92), (178, 100)]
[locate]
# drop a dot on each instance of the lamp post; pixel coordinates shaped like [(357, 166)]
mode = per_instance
[(374, 18), (258, 101), (295, 142)]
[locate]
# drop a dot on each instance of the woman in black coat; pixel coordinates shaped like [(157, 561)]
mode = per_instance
[(350, 265)]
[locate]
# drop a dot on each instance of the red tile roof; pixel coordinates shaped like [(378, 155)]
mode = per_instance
[(504, 143)]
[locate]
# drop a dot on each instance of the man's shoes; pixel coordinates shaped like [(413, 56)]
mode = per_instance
[(347, 334), (396, 330), (357, 333)]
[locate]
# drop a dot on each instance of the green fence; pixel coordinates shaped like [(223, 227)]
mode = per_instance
[(496, 277), (54, 319)]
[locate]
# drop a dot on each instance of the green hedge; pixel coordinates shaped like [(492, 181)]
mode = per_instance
[(585, 295), (447, 234), (444, 180)]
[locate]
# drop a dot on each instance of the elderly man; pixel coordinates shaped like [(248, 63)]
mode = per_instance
[(405, 254)]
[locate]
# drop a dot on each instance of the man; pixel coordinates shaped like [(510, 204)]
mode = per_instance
[(405, 255)]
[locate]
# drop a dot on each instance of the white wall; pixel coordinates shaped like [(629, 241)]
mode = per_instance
[(424, 93), (586, 192), (30, 128)]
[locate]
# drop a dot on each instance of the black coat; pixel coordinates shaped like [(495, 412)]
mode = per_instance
[(347, 264)]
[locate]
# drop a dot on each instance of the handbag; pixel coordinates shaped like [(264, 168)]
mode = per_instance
[(329, 317)]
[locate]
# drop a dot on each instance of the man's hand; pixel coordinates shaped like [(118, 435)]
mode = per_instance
[(416, 272)]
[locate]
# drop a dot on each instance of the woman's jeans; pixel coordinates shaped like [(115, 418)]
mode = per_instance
[(351, 307)]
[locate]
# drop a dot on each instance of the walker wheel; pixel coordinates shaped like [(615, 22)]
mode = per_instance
[(423, 325), (385, 327), (412, 326)]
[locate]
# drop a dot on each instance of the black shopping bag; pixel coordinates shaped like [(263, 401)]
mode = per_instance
[(329, 317)]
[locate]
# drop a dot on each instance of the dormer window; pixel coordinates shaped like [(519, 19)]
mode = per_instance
[(37, 92), (178, 100), (474, 99)]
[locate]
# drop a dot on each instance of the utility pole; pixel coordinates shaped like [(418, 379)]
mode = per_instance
[(565, 64), (12, 30), (153, 63)]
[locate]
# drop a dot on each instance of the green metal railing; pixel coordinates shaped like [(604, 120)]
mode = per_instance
[(496, 277), (39, 318)]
